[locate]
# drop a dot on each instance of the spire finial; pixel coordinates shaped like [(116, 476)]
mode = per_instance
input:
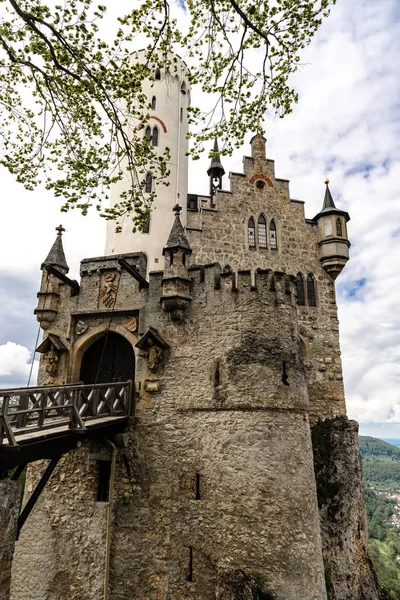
[(60, 230), (326, 181), (177, 210)]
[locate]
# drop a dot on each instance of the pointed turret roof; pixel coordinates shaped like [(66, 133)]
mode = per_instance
[(177, 238), (56, 256), (329, 207), (216, 167)]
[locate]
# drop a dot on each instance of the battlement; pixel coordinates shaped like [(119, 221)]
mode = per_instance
[(273, 287)]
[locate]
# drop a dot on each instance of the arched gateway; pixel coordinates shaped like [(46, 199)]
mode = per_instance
[(110, 358)]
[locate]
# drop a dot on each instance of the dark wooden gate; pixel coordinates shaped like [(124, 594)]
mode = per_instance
[(110, 358)]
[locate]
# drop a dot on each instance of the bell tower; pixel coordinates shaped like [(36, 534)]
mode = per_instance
[(168, 97)]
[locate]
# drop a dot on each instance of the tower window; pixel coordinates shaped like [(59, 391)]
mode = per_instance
[(251, 231), (262, 232), (153, 103), (154, 140), (183, 88), (339, 227), (311, 290), (273, 241), (146, 226), (157, 74), (300, 289), (149, 183), (147, 132), (328, 227), (181, 114)]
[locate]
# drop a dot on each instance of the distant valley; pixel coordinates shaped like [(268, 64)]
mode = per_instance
[(381, 476)]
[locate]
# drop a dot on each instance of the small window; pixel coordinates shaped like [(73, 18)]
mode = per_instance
[(311, 290), (157, 74), (153, 103), (149, 183), (154, 139), (262, 232), (300, 289), (146, 226), (260, 184), (103, 483), (328, 227), (251, 230), (181, 114), (227, 269), (273, 242), (183, 88), (339, 230)]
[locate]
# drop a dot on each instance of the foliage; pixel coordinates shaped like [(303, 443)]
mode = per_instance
[(381, 467), (73, 110)]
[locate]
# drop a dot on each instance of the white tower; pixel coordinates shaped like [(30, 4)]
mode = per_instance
[(169, 97)]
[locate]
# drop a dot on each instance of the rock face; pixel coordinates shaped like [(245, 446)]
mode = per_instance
[(10, 499), (348, 571)]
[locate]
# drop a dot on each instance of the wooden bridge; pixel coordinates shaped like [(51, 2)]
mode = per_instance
[(45, 422)]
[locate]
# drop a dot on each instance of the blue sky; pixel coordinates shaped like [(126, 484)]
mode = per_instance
[(346, 126)]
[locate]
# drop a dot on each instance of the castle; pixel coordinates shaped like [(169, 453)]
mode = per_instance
[(238, 475)]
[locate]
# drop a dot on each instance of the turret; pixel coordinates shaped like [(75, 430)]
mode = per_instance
[(215, 170), (176, 283), (49, 295), (333, 242)]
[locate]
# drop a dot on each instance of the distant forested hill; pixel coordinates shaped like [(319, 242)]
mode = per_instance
[(381, 473), (381, 463)]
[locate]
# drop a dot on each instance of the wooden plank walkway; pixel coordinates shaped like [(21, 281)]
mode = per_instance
[(48, 418)]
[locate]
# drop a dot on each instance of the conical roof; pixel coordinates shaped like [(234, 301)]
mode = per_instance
[(177, 237), (329, 207), (216, 167), (56, 256)]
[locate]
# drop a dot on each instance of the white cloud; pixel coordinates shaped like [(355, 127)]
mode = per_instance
[(15, 365)]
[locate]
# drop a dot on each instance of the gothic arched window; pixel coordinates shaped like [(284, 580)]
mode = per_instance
[(300, 289), (311, 290), (157, 74), (153, 103), (339, 227), (183, 88), (262, 232), (149, 183), (154, 139), (147, 132), (328, 227), (273, 241), (251, 231)]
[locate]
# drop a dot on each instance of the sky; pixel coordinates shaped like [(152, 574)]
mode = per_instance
[(346, 126)]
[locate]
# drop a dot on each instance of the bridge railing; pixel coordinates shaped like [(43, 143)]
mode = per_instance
[(29, 410)]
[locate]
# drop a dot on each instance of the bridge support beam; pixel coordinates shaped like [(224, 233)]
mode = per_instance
[(10, 500)]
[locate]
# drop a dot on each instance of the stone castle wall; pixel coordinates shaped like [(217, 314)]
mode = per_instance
[(223, 413), (218, 233)]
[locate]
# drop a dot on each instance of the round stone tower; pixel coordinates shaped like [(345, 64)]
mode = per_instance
[(169, 97)]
